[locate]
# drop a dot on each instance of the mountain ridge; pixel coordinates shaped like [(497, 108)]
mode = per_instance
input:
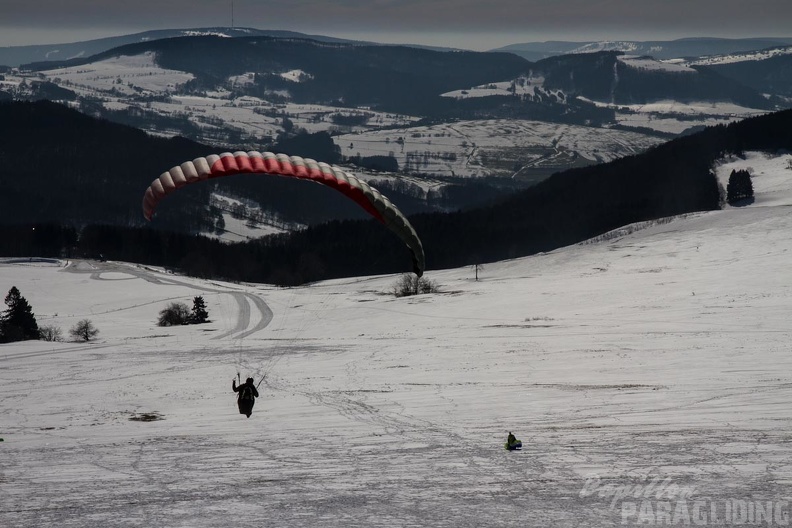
[(660, 49), (15, 56), (413, 81)]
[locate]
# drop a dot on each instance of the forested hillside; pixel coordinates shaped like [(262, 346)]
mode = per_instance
[(773, 75), (572, 206), (74, 216), (61, 166), (674, 178), (603, 77)]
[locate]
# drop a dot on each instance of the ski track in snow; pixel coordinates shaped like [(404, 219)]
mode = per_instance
[(243, 300)]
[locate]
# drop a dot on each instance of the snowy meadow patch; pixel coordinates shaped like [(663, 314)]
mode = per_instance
[(497, 147)]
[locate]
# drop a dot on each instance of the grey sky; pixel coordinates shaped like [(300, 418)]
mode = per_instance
[(471, 24)]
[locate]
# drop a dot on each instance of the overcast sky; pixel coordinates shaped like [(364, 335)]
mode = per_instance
[(470, 24)]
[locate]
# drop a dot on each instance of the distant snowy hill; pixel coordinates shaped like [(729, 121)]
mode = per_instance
[(730, 58), (768, 71), (224, 99), (239, 91), (660, 49), (17, 55)]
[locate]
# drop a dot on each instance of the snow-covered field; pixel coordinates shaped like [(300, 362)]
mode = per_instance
[(526, 87), (120, 82), (658, 357), (672, 117), (249, 222), (770, 175), (675, 117), (125, 75), (500, 147), (260, 118), (648, 63)]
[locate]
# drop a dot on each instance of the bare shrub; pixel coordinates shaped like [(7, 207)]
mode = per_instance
[(84, 330), (409, 284), (174, 315), (50, 333)]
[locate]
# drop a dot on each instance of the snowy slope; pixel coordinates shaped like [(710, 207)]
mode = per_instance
[(731, 58), (120, 76), (650, 64), (676, 116), (660, 351), (245, 221), (137, 83)]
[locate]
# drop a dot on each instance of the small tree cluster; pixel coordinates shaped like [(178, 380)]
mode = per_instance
[(177, 313), (84, 330), (17, 322), (740, 186), (409, 284)]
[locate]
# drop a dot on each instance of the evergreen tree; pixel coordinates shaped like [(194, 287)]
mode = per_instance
[(199, 314), (18, 322), (739, 187)]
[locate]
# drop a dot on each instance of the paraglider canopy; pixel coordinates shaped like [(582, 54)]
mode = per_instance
[(254, 162)]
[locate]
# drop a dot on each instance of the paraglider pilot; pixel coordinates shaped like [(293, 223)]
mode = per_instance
[(511, 439), (247, 396)]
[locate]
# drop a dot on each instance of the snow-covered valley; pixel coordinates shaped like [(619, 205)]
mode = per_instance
[(141, 91)]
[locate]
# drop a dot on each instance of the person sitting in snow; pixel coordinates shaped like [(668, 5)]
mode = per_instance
[(247, 396), (511, 439)]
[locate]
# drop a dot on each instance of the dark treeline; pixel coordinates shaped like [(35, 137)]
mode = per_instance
[(60, 166), (569, 207), (37, 240), (278, 259), (671, 179)]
